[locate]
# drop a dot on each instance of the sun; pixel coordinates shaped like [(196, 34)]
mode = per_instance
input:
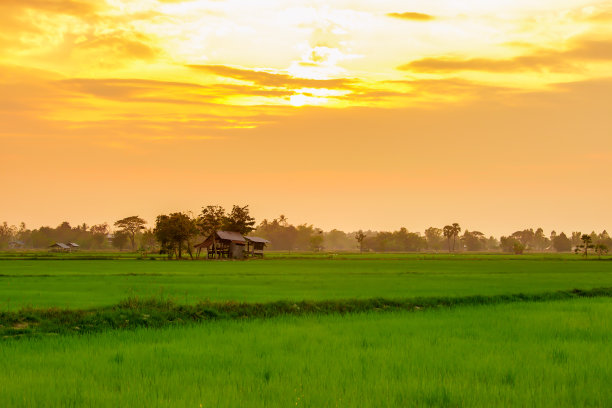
[(298, 99)]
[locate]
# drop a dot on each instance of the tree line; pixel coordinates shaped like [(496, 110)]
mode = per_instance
[(176, 234)]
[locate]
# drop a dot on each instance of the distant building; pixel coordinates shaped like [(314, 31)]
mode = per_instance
[(255, 246), (60, 247), (73, 245), (16, 245), (223, 244)]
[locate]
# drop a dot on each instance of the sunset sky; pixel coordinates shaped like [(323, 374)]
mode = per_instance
[(344, 114)]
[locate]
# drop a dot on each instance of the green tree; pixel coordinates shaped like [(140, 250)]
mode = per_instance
[(456, 231), (601, 249), (120, 239), (130, 226), (518, 248), (316, 241), (587, 243), (148, 241), (99, 232), (239, 220), (434, 237), (211, 219), (360, 236), (562, 243), (448, 233), (474, 240), (173, 231)]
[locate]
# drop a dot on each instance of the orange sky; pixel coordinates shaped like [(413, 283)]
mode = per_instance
[(346, 114)]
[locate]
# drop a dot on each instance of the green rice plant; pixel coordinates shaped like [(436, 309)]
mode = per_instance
[(540, 354)]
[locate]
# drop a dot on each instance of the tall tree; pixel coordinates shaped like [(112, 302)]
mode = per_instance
[(456, 231), (448, 232), (99, 233), (360, 236), (239, 220), (587, 243), (435, 239), (130, 226), (211, 219), (120, 238), (172, 231), (562, 243), (601, 249)]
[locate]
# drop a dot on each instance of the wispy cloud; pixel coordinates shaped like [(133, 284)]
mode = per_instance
[(412, 16), (264, 78), (539, 60)]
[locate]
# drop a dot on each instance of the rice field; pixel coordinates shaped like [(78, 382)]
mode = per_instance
[(93, 283), (550, 353)]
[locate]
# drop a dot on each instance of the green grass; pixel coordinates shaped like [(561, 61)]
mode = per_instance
[(90, 283), (553, 354), (156, 313)]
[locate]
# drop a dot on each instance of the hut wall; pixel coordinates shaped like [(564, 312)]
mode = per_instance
[(236, 251)]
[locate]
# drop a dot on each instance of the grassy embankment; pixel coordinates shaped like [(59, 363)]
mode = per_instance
[(550, 354), (156, 313)]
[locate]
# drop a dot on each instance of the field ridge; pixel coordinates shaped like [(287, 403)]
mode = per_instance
[(135, 312)]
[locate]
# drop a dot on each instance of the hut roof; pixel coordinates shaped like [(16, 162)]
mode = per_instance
[(257, 239), (72, 244), (230, 236), (59, 245)]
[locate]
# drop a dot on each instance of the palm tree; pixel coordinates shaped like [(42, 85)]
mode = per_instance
[(448, 233), (456, 231)]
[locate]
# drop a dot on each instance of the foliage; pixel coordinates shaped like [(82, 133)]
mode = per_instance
[(130, 226), (587, 243), (173, 232), (120, 240), (400, 240), (239, 220), (562, 243), (360, 236), (284, 236), (451, 232), (518, 248), (316, 242), (507, 244), (601, 249), (211, 219), (435, 238), (474, 240)]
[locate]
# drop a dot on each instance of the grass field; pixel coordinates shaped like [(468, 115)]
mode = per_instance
[(549, 353), (90, 283), (553, 354)]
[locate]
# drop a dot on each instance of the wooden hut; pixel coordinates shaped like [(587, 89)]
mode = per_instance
[(223, 244), (16, 245), (60, 247), (255, 246)]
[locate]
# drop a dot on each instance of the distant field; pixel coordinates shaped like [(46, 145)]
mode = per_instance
[(90, 283), (553, 354)]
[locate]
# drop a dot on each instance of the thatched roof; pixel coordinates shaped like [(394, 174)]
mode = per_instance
[(257, 239), (222, 236), (59, 245)]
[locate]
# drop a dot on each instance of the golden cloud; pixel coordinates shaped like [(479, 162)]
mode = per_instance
[(264, 78), (539, 61), (412, 16), (70, 7)]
